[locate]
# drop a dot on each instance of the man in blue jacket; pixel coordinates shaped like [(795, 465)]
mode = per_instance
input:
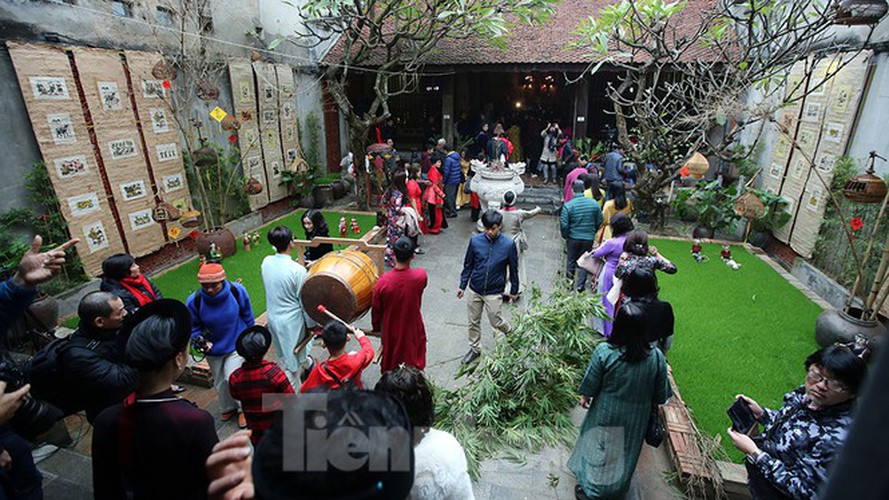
[(580, 219), (452, 174), (614, 167), (220, 311), (484, 270)]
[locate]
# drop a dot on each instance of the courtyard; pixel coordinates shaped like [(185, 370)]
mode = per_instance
[(742, 139)]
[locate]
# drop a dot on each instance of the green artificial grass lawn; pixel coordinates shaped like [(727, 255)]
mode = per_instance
[(180, 282), (746, 331)]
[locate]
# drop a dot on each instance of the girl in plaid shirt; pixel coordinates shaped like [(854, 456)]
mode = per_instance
[(256, 377)]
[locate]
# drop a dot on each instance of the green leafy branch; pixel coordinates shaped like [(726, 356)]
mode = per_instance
[(520, 394)]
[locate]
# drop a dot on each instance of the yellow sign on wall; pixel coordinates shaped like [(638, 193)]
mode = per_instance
[(218, 114)]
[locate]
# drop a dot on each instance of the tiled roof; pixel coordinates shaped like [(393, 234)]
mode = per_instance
[(548, 43)]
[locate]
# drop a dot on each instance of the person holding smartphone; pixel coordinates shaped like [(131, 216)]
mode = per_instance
[(550, 152), (790, 458)]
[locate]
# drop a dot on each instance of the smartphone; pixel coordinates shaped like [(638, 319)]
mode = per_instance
[(742, 416)]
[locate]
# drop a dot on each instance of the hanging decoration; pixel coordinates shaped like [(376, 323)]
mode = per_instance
[(207, 91), (867, 187), (191, 218), (254, 186), (164, 70), (749, 206), (230, 123), (697, 165), (165, 212)]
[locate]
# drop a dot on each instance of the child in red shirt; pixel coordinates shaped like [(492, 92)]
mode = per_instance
[(341, 367), (255, 378)]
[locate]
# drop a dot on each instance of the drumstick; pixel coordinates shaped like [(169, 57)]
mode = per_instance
[(323, 310), (303, 343), (379, 355)]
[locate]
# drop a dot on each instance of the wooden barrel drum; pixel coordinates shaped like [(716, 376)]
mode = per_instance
[(343, 282)]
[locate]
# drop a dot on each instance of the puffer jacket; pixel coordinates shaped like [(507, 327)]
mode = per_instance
[(452, 172)]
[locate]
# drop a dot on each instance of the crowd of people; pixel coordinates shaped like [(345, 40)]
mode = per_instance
[(132, 344)]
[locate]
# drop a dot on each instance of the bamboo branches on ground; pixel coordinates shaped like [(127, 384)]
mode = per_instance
[(520, 394)]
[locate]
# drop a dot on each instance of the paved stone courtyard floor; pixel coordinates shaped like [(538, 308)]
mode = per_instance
[(68, 472)]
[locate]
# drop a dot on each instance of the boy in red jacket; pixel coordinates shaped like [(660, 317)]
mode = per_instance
[(341, 367), (255, 378)]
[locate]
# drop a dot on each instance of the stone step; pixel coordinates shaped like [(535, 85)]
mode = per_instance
[(543, 191), (539, 199)]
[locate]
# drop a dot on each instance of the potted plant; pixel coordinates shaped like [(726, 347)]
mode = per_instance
[(324, 189), (682, 205), (775, 216), (300, 185), (712, 206), (852, 321), (220, 192)]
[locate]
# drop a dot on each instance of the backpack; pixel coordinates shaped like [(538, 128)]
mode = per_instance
[(44, 371)]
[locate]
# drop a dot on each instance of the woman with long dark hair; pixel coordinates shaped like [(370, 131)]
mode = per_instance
[(123, 277), (591, 187), (640, 288), (617, 203), (434, 198), (315, 225), (611, 251), (623, 380), (393, 201)]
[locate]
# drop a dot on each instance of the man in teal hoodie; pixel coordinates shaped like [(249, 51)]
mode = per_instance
[(579, 221)]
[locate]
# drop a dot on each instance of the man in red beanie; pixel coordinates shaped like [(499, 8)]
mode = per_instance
[(221, 310)]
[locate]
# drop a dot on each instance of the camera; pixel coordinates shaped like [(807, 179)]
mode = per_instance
[(34, 416), (199, 347)]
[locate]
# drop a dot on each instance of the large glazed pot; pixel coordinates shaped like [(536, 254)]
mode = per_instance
[(339, 189), (702, 232), (224, 239), (43, 314), (834, 325), (758, 239), (307, 201), (323, 195)]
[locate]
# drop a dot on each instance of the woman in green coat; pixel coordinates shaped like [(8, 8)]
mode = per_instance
[(624, 379)]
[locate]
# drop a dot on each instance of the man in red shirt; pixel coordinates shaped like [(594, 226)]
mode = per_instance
[(256, 377), (397, 299), (341, 368)]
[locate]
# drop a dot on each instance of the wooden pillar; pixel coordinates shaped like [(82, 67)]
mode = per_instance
[(581, 107), (447, 109), (332, 131), (462, 94)]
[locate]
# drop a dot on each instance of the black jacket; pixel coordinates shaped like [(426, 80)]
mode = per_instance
[(93, 373), (129, 300)]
